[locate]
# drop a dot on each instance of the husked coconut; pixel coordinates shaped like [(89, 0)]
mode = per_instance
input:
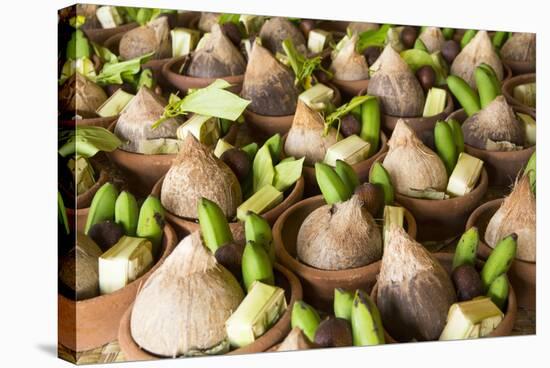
[(433, 39), (521, 47), (295, 340), (152, 37), (275, 30), (348, 64), (207, 20), (81, 96)]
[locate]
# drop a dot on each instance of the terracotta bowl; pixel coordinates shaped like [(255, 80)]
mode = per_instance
[(91, 323), (505, 327), (444, 218), (100, 35), (237, 228), (510, 84), (520, 67), (100, 122), (267, 125), (522, 274), (502, 167), (85, 199), (319, 284), (143, 171), (283, 278), (185, 82), (351, 88)]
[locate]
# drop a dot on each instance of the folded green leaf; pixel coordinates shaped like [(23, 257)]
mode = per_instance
[(275, 145), (119, 72), (104, 53), (302, 66), (88, 140), (343, 110), (287, 172), (375, 37), (84, 66), (262, 169)]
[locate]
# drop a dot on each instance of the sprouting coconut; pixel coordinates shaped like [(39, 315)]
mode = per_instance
[(183, 306), (496, 122), (414, 290), (135, 121), (411, 164), (339, 236), (348, 64), (397, 87), (152, 37), (306, 136), (521, 47), (433, 39), (517, 214), (195, 173), (269, 84), (478, 51), (275, 30), (81, 96), (207, 20), (218, 58)]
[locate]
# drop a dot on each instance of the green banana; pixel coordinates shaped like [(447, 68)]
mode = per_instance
[(366, 323), (531, 171), (499, 290), (466, 249), (445, 145), (151, 222), (251, 150), (499, 260), (379, 175), (127, 212), (419, 45), (347, 174), (467, 37), (214, 226), (333, 188), (305, 317), (103, 206), (499, 38), (448, 33), (370, 123), (458, 136), (465, 95), (256, 265), (486, 85), (343, 302), (257, 229), (492, 75)]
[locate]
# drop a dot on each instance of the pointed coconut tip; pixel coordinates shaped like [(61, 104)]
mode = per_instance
[(191, 256), (295, 340), (403, 133), (277, 29), (307, 118), (390, 61), (433, 39), (348, 64)]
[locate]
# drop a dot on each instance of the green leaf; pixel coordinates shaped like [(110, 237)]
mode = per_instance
[(119, 72), (88, 140), (275, 146), (375, 37), (229, 18), (77, 21), (104, 53), (302, 66), (78, 46), (262, 169), (62, 213), (416, 59), (287, 172), (343, 110)]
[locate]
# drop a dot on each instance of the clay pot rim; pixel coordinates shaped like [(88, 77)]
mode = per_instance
[(297, 189), (277, 332), (513, 65), (95, 33), (509, 315), (509, 85), (317, 273), (472, 221), (481, 186), (170, 240), (97, 121)]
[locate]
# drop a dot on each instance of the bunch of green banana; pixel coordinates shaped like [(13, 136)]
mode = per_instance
[(305, 317), (467, 37), (466, 249), (257, 229), (499, 38), (499, 290), (127, 212), (333, 188), (488, 84), (500, 260), (366, 323), (343, 302), (448, 33), (151, 222), (458, 136), (370, 123), (379, 175), (347, 174), (466, 96), (256, 265), (214, 227), (445, 145), (103, 206)]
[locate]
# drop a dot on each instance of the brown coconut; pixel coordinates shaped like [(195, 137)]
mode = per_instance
[(339, 237), (152, 37), (414, 290), (433, 39), (348, 64), (269, 84), (306, 136), (218, 58), (135, 121), (207, 20), (81, 96), (521, 47), (411, 164), (183, 306), (396, 85), (359, 27), (195, 173), (496, 122), (478, 51), (79, 268), (275, 30), (517, 214)]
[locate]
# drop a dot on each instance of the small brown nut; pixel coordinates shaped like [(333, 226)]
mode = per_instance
[(334, 332), (306, 25), (232, 32), (408, 36), (467, 282), (230, 256), (106, 234), (350, 125), (450, 49), (371, 54), (238, 161), (426, 77)]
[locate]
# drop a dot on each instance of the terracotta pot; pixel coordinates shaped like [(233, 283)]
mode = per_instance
[(522, 274), (79, 217), (510, 84), (319, 284), (170, 72), (100, 35), (520, 67), (283, 278), (502, 167), (351, 88), (143, 171), (267, 125), (91, 323), (83, 202), (441, 219), (100, 122), (505, 327), (237, 228)]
